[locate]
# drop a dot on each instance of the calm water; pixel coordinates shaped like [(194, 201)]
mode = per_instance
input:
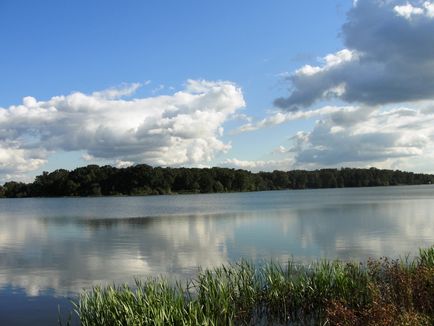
[(50, 249)]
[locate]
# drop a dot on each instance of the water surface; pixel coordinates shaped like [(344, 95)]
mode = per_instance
[(52, 248)]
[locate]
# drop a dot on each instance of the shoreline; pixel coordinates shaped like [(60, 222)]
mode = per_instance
[(220, 193)]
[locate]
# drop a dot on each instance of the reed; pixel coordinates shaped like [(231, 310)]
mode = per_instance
[(379, 292)]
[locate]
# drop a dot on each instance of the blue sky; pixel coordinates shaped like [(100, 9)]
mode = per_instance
[(57, 47), (252, 84)]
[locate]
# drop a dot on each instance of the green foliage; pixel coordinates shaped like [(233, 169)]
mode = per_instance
[(143, 179), (381, 292), (426, 257), (16, 189)]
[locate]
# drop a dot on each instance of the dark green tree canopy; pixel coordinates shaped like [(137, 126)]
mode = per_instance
[(94, 180)]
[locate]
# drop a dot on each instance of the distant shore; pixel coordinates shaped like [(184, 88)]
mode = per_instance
[(140, 180)]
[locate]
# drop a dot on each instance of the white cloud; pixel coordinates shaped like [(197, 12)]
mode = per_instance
[(16, 162), (367, 137), (408, 10), (118, 92), (183, 128), (280, 117), (330, 61), (123, 164), (386, 73), (359, 136), (280, 150), (87, 157), (388, 57), (429, 9), (260, 165)]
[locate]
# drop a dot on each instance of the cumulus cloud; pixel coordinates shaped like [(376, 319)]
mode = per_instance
[(388, 58), (366, 136), (408, 10), (15, 161), (183, 128), (383, 82), (280, 117), (399, 137), (118, 92), (260, 165)]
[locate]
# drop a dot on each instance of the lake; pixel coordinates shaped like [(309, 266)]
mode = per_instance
[(52, 248)]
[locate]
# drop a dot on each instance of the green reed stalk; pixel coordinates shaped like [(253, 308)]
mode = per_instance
[(380, 292)]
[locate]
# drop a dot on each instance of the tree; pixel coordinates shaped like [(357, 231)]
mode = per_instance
[(143, 179), (280, 179), (206, 182), (14, 189)]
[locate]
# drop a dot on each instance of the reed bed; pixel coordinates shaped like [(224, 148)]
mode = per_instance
[(378, 292)]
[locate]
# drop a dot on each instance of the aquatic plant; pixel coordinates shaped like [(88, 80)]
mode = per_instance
[(378, 292)]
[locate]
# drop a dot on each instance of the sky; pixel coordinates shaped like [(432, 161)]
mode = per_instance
[(258, 85)]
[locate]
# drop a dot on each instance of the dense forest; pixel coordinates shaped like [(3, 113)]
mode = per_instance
[(94, 180)]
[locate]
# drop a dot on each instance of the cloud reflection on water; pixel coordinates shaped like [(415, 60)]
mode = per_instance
[(66, 254)]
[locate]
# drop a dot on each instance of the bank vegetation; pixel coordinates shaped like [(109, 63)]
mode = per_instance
[(377, 292), (94, 180)]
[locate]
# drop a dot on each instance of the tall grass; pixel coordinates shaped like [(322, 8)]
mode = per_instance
[(379, 292)]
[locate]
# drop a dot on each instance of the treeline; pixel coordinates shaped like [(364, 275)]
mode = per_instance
[(94, 180)]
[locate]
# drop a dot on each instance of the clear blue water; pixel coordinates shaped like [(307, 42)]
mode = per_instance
[(52, 248)]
